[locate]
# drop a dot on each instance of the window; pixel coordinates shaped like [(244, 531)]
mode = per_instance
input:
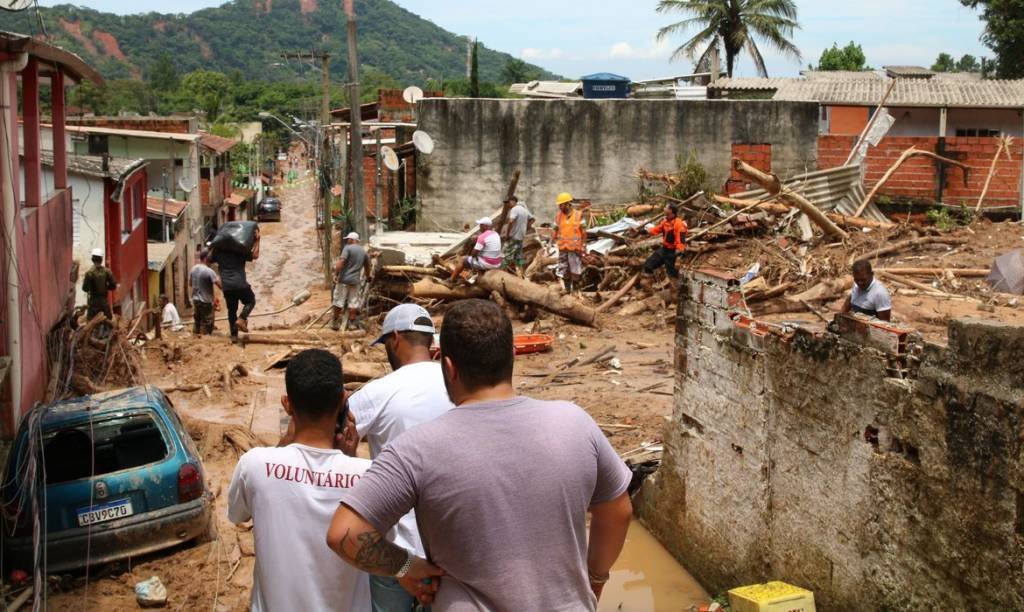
[(76, 222), (138, 204), (99, 144), (110, 445), (126, 213), (972, 132)]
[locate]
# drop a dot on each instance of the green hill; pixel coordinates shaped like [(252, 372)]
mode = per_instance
[(248, 36)]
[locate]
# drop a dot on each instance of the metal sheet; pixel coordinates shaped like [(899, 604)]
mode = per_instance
[(839, 190)]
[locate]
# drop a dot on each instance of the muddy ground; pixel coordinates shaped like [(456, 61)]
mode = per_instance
[(630, 397)]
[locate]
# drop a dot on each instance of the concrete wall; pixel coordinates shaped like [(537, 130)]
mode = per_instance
[(591, 148), (804, 457)]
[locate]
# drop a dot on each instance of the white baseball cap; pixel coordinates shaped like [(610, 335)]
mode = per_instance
[(97, 253), (352, 236), (406, 317), (484, 221)]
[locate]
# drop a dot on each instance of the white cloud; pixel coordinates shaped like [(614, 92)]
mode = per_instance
[(533, 54), (625, 50)]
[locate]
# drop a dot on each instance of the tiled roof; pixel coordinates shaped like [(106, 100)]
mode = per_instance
[(92, 165), (841, 75), (953, 92), (156, 206), (217, 144)]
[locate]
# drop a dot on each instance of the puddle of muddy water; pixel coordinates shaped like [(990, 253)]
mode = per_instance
[(646, 578)]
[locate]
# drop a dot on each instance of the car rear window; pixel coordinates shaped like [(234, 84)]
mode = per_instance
[(110, 445)]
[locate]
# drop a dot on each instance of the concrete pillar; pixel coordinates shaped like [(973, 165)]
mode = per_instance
[(943, 112)]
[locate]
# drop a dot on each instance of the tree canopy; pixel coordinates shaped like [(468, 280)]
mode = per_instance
[(946, 63), (732, 27), (850, 57), (1004, 34)]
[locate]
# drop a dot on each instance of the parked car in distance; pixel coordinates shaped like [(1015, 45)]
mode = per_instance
[(122, 478), (269, 209)]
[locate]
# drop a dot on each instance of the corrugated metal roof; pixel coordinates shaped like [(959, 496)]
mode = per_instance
[(841, 75), (157, 206), (838, 190), (954, 92)]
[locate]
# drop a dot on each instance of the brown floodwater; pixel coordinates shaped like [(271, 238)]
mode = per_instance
[(646, 578)]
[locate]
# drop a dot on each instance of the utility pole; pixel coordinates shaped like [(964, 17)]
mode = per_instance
[(324, 202), (356, 133)]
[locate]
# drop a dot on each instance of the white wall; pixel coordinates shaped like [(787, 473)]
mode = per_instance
[(925, 121), (87, 220)]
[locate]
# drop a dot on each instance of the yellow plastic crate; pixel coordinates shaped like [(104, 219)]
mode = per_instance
[(771, 597)]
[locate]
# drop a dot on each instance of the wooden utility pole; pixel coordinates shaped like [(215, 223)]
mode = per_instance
[(356, 133), (323, 195)]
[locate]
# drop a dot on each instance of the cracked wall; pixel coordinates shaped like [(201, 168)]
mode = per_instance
[(879, 481)]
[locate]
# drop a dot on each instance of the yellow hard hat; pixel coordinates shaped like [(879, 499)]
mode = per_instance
[(563, 198)]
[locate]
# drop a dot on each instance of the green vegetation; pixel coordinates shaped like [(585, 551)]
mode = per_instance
[(730, 27), (474, 74), (693, 178), (968, 63), (850, 57), (237, 36), (1004, 34), (942, 219)]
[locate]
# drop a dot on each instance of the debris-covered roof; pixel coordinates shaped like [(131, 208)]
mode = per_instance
[(158, 206), (547, 89), (217, 144), (908, 72), (958, 92), (117, 168)]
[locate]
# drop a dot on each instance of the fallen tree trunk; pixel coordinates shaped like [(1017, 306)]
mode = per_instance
[(1005, 142), (907, 244), (774, 292), (772, 184), (432, 289), (619, 294), (362, 371), (403, 270), (636, 246), (958, 272), (777, 208), (523, 291), (825, 290)]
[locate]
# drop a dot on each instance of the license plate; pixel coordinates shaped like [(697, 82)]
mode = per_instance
[(106, 512)]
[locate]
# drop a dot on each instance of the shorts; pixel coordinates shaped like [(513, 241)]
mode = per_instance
[(514, 253), (473, 262), (346, 296), (570, 261)]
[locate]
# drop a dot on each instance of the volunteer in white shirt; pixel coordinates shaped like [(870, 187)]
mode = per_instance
[(869, 296), (170, 317), (291, 493), (385, 408)]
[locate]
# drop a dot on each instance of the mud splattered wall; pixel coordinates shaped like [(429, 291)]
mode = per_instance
[(591, 148), (803, 458)]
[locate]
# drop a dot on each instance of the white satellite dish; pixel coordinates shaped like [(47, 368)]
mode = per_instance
[(423, 142), (412, 95), (390, 159), (15, 5), (185, 186)]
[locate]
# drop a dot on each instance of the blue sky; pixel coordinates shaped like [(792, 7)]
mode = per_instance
[(574, 38)]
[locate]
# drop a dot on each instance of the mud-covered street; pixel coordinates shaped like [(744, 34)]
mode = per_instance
[(630, 397)]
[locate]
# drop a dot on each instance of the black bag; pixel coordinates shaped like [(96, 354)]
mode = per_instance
[(236, 237)]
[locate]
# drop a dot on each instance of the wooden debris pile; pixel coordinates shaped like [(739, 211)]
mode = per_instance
[(89, 358)]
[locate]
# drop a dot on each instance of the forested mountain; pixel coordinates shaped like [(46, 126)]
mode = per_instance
[(248, 36)]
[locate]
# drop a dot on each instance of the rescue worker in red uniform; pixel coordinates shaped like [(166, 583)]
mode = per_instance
[(673, 231)]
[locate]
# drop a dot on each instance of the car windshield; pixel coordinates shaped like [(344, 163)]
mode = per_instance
[(115, 444)]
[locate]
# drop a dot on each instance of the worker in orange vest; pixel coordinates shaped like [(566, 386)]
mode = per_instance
[(673, 231), (571, 238)]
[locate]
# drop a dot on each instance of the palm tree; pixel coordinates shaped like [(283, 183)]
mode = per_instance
[(731, 26)]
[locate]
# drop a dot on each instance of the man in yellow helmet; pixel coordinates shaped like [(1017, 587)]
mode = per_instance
[(571, 238)]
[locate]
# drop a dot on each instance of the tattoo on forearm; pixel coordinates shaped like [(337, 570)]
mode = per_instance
[(374, 554)]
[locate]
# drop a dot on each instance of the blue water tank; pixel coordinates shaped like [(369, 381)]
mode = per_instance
[(605, 85)]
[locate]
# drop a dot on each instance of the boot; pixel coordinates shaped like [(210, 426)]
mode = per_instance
[(243, 325)]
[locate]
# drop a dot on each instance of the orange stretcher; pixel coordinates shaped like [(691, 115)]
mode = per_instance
[(525, 344)]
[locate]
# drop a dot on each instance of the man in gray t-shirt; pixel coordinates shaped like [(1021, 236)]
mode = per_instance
[(516, 226), (202, 279), (501, 486), (348, 273)]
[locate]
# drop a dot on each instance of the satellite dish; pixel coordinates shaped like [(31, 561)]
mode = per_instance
[(423, 142), (390, 159), (15, 5), (412, 95), (185, 186)]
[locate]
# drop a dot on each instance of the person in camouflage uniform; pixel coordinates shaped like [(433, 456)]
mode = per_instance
[(97, 284)]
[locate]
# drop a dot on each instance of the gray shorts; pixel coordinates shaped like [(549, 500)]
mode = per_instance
[(571, 262), (346, 296)]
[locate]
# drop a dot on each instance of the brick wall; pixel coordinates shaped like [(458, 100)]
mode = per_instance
[(758, 155), (802, 456), (917, 178), (391, 106)]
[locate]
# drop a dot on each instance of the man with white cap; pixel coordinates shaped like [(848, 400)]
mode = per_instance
[(97, 284), (486, 252), (385, 408), (348, 276)]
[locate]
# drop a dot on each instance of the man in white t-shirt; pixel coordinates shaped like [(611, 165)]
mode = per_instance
[(291, 493), (869, 296), (486, 252), (385, 408)]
